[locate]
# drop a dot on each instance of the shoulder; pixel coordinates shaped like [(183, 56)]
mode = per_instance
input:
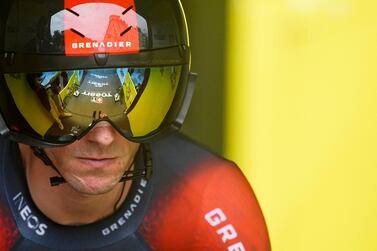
[(9, 233), (190, 163), (206, 202), (178, 155)]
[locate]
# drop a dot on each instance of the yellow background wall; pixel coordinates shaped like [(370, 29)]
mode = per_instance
[(301, 117), (206, 20)]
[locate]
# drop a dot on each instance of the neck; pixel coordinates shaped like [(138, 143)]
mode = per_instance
[(62, 204)]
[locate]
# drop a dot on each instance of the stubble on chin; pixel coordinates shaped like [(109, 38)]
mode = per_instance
[(94, 181), (92, 185)]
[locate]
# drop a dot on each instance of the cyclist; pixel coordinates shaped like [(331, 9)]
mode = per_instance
[(91, 96)]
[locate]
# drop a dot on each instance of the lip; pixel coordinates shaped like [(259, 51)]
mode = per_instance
[(96, 162)]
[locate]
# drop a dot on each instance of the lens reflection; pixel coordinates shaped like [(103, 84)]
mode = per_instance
[(60, 106), (75, 99)]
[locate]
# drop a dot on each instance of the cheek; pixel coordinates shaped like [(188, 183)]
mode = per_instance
[(60, 156), (127, 149), (133, 149), (128, 158)]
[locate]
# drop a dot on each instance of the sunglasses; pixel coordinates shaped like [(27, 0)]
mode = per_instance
[(58, 107)]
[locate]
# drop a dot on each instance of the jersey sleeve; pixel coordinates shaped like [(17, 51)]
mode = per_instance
[(8, 230), (212, 207)]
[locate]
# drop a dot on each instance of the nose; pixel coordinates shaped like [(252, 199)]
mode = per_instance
[(102, 133)]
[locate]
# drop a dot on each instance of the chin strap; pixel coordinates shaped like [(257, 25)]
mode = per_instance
[(41, 154), (146, 171), (128, 174)]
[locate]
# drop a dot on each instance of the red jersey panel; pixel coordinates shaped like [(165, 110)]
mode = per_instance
[(211, 208), (8, 230)]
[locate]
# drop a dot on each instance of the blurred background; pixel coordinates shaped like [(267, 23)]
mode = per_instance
[(288, 90)]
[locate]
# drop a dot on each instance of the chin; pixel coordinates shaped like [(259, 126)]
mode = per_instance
[(93, 186)]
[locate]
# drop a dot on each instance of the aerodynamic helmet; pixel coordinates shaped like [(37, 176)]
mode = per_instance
[(67, 64)]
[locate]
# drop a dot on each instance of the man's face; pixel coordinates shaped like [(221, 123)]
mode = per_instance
[(95, 163)]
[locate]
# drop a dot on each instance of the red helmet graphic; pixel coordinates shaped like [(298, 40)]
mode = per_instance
[(114, 29)]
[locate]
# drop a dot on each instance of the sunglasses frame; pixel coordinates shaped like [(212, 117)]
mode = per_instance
[(165, 127)]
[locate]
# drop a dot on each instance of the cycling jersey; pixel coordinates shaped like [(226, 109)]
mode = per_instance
[(194, 200)]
